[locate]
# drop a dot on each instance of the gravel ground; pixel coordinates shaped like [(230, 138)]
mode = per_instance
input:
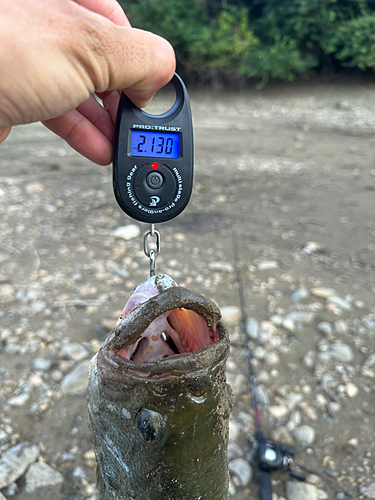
[(291, 171)]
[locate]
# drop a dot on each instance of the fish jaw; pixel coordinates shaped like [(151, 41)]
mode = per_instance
[(176, 332)]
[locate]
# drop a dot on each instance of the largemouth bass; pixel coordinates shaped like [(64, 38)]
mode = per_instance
[(159, 403)]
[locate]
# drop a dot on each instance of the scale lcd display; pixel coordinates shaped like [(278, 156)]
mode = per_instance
[(155, 144)]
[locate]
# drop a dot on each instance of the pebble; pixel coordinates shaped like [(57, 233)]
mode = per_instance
[(323, 293), (296, 490), (2, 497), (300, 294), (282, 435), (231, 315), (351, 390), (272, 358), (74, 351), (304, 434), (42, 364), (340, 303), (127, 232), (368, 491), (41, 475), (19, 400), (301, 317), (267, 265), (242, 469), (339, 352), (325, 328), (341, 327), (252, 328), (278, 411), (15, 461), (76, 381)]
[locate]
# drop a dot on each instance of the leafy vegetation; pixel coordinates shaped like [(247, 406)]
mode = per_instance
[(264, 39)]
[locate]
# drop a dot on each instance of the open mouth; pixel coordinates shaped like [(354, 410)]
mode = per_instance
[(174, 333)]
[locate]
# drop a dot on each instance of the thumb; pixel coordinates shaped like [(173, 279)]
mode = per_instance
[(4, 132), (133, 60)]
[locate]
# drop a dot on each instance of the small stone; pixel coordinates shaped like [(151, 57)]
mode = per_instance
[(313, 479), (340, 303), (353, 443), (15, 461), (2, 497), (304, 434), (308, 361), (368, 491), (323, 293), (325, 328), (359, 304), (76, 381), (341, 327), (127, 232), (339, 352), (301, 491), (252, 328), (263, 377), (272, 358), (232, 489), (300, 294), (301, 317), (231, 315), (41, 475), (259, 352), (311, 247), (370, 361), (74, 351), (234, 430), (282, 435), (19, 400), (278, 411), (42, 364), (322, 495), (351, 390), (292, 400), (267, 265), (340, 496), (242, 469)]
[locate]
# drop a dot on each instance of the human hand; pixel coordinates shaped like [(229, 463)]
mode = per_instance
[(55, 55)]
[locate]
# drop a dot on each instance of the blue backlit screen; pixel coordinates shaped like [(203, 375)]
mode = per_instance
[(155, 144)]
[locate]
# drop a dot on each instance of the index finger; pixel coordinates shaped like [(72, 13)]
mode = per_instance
[(109, 9)]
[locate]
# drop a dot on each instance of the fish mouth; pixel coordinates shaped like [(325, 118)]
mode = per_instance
[(174, 330)]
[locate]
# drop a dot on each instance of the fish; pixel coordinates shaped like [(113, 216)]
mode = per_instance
[(158, 399)]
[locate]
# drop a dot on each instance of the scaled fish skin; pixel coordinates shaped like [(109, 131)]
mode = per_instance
[(158, 400)]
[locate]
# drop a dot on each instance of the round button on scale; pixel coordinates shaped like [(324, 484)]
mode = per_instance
[(154, 180)]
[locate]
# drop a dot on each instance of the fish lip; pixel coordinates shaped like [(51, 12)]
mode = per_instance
[(131, 328), (178, 365)]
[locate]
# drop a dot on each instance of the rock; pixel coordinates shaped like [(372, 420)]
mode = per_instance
[(74, 351), (368, 491), (76, 381), (15, 461), (293, 399), (2, 497), (278, 411), (242, 469), (301, 317), (304, 434), (351, 390), (325, 328), (339, 352), (340, 303), (300, 294), (323, 293), (322, 495), (272, 358), (353, 443), (267, 265), (252, 328), (341, 327), (231, 315), (42, 364), (127, 232), (301, 491), (19, 400), (311, 247), (282, 435), (370, 362), (41, 475)]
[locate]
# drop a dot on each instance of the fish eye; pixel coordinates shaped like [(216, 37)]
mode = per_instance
[(152, 426)]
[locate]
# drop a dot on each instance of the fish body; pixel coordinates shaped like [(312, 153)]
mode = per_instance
[(158, 400)]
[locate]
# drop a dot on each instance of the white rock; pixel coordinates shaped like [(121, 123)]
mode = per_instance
[(242, 469), (272, 358), (74, 351), (19, 400), (322, 495), (252, 328), (304, 434), (323, 293), (76, 381), (15, 461), (278, 411), (340, 303), (267, 265), (127, 232), (41, 475), (42, 364), (2, 497), (234, 430), (339, 352), (351, 390), (231, 315), (301, 491)]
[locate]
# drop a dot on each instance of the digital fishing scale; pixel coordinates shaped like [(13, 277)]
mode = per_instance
[(153, 159)]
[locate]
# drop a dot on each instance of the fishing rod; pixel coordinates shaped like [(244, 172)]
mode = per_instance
[(269, 455)]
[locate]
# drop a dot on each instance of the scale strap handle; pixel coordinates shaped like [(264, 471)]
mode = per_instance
[(265, 487)]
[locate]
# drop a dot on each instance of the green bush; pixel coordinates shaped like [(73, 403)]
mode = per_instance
[(262, 39)]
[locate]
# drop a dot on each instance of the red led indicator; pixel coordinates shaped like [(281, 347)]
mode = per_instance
[(155, 166)]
